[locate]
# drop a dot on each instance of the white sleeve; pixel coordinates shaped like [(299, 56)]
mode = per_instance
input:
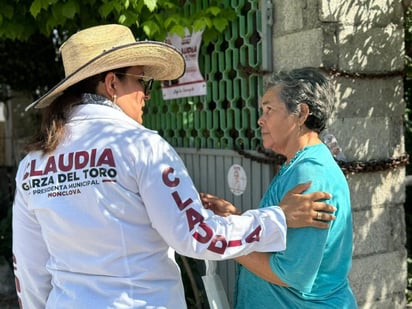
[(176, 212), (30, 255)]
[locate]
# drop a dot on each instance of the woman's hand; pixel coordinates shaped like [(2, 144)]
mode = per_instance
[(303, 210), (218, 205)]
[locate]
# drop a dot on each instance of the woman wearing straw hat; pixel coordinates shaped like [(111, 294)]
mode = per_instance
[(102, 202)]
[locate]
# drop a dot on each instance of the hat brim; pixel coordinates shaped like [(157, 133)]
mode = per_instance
[(161, 62)]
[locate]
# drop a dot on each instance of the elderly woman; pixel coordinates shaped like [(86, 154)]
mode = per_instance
[(102, 202), (313, 270)]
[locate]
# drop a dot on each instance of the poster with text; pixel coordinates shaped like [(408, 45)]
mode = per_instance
[(192, 82)]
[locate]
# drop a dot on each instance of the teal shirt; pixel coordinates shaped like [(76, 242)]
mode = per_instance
[(316, 262)]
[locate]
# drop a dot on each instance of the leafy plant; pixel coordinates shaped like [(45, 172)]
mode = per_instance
[(35, 29), (151, 19)]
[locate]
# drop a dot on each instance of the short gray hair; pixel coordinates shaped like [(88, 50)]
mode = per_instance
[(306, 85)]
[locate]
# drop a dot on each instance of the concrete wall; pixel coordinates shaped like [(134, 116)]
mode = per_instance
[(363, 42)]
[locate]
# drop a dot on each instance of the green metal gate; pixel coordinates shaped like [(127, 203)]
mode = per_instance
[(226, 117)]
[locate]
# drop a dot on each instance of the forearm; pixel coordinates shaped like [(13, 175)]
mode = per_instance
[(258, 263)]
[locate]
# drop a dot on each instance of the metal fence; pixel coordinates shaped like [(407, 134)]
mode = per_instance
[(227, 115)]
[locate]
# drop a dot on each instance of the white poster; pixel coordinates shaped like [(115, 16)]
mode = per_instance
[(237, 179), (192, 82)]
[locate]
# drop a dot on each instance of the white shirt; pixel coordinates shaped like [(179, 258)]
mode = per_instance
[(96, 222)]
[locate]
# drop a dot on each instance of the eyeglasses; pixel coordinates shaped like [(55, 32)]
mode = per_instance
[(145, 81)]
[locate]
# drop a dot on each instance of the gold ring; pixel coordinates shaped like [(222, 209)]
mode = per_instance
[(319, 216)]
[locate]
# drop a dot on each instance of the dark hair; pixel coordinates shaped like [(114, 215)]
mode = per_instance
[(56, 115), (306, 85)]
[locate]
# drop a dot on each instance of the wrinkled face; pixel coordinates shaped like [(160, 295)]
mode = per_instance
[(130, 93), (278, 126)]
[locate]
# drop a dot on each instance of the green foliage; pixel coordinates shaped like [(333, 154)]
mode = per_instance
[(149, 19), (34, 30)]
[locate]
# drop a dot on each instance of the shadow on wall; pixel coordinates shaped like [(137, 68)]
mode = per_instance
[(361, 44), (364, 50), (379, 237)]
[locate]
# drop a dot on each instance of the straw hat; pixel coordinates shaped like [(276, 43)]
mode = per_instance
[(103, 48)]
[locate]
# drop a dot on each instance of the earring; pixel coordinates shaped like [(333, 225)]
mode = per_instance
[(114, 98)]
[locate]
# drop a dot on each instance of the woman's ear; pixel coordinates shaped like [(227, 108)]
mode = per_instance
[(109, 84), (304, 113)]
